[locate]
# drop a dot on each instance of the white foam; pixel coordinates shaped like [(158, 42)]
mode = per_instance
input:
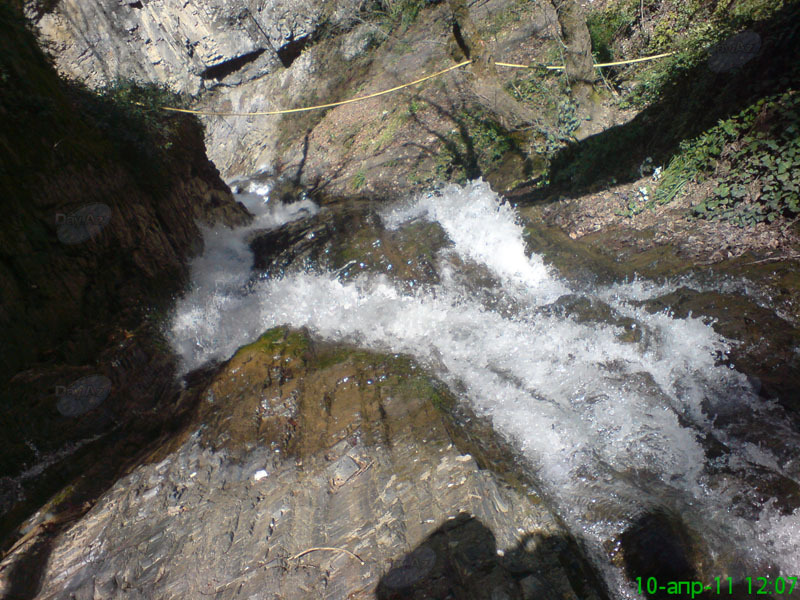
[(485, 231), (216, 316), (782, 535)]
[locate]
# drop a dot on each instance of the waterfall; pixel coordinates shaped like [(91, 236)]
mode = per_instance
[(611, 414)]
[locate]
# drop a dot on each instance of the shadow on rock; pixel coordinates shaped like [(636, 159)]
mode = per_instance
[(658, 545), (661, 553), (460, 560), (26, 575)]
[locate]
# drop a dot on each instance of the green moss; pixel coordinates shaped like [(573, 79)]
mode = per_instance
[(404, 376), (280, 340), (328, 356), (64, 495), (426, 387)]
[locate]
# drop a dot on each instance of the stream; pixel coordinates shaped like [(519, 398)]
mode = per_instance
[(618, 411)]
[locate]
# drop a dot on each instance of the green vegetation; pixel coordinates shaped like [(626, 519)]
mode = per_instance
[(734, 126), (507, 18), (388, 133), (129, 115), (393, 15), (550, 97), (423, 386), (605, 26), (754, 155), (475, 146), (688, 27), (330, 355), (358, 180), (402, 375), (280, 340)]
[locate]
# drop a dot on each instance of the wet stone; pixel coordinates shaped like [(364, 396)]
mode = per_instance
[(347, 237)]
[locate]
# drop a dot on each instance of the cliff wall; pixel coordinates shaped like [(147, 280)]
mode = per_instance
[(102, 198)]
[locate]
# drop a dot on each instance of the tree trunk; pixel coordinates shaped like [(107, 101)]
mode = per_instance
[(486, 84), (579, 67), (578, 61)]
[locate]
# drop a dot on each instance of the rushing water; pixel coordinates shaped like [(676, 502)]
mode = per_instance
[(613, 425)]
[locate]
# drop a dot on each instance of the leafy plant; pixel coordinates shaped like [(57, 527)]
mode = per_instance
[(638, 203), (754, 155), (550, 98), (689, 27)]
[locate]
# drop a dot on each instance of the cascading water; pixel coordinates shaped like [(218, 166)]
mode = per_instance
[(612, 425)]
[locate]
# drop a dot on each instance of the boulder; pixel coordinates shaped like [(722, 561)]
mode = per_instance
[(313, 470)]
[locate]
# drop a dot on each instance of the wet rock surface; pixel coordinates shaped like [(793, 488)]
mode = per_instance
[(748, 299), (767, 348), (348, 237), (82, 355), (311, 470)]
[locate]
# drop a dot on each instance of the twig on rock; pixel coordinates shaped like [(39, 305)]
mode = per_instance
[(304, 552)]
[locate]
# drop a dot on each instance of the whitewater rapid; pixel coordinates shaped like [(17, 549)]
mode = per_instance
[(610, 427)]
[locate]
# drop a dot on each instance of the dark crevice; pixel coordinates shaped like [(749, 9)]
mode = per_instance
[(460, 40), (136, 5), (222, 70), (292, 49)]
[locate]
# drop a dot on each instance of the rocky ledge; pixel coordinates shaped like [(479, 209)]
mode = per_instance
[(311, 471)]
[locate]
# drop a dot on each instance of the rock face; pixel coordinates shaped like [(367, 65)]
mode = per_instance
[(313, 471), (347, 237), (105, 202), (255, 56), (234, 54), (102, 210), (185, 45)]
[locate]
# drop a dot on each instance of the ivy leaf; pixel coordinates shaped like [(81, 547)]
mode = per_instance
[(738, 191), (729, 128)]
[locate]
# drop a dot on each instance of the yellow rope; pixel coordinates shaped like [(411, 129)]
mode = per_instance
[(598, 65), (329, 105), (390, 90)]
